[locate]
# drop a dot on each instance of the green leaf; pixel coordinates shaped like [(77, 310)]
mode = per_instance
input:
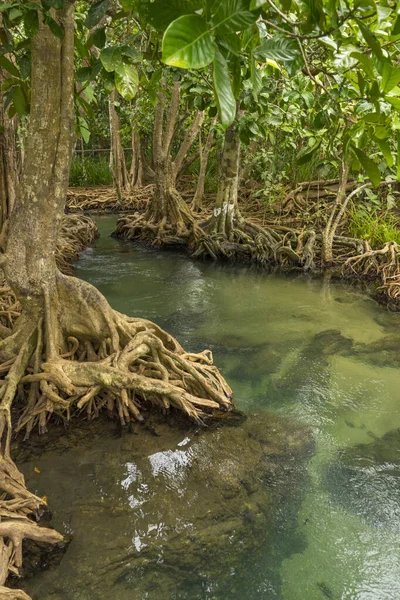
[(256, 4), (225, 99), (277, 48), (9, 82), (31, 22), (394, 102), (8, 66), (390, 77), (386, 151), (84, 129), (188, 43), (369, 166), (374, 117), (255, 76), (14, 14), (54, 27), (230, 41), (365, 62), (231, 16), (160, 13), (96, 12), (84, 74), (108, 80), (56, 4), (370, 38), (306, 154), (111, 58), (398, 157), (19, 101), (127, 81), (99, 38), (396, 27), (131, 53), (234, 67), (127, 5)]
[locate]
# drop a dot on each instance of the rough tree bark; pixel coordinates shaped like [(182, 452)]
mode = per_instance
[(8, 157), (136, 171), (69, 351), (204, 152), (168, 219), (226, 211), (117, 156)]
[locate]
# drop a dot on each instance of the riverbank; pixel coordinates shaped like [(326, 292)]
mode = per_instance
[(279, 237)]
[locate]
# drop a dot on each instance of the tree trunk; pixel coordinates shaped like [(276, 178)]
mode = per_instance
[(168, 218), (335, 216), (204, 153), (8, 158), (136, 170), (117, 157), (226, 210)]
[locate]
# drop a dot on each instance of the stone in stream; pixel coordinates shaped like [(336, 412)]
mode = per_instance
[(167, 515)]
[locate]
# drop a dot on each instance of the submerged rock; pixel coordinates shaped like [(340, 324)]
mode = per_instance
[(366, 479), (165, 516), (384, 352)]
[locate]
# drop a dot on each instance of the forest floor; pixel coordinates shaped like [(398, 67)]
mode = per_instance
[(297, 222)]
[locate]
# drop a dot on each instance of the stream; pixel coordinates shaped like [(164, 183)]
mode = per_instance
[(303, 502)]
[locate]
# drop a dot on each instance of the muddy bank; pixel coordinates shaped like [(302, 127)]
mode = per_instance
[(162, 511)]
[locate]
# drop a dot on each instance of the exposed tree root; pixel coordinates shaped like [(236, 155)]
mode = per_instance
[(80, 360), (154, 227), (384, 264), (105, 199)]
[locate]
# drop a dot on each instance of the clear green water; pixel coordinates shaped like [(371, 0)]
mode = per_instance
[(282, 343)]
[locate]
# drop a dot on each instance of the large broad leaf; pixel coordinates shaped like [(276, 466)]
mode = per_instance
[(256, 4), (160, 13), (279, 49), (223, 90), (127, 81), (111, 58), (231, 16), (390, 77), (369, 167), (96, 12), (188, 43)]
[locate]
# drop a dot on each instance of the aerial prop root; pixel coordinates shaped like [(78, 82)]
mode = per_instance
[(158, 231), (86, 357), (261, 245), (383, 263)]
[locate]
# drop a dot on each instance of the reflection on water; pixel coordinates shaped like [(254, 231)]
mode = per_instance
[(322, 354)]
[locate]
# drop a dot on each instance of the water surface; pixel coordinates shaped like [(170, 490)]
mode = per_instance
[(321, 353)]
